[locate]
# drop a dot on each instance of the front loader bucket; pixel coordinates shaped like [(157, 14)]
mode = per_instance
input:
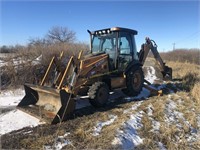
[(48, 104)]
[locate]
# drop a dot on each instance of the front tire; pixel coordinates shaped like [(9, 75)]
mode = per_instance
[(134, 81), (98, 94)]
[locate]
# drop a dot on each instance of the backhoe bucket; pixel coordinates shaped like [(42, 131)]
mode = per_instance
[(48, 104), (167, 74)]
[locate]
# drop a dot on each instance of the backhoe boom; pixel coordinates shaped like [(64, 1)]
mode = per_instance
[(151, 45)]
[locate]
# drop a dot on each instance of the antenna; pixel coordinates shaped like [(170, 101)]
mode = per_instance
[(173, 45)]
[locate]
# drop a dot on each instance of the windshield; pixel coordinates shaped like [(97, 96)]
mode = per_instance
[(104, 42)]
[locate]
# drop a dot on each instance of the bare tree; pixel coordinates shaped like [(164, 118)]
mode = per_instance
[(37, 41), (61, 34)]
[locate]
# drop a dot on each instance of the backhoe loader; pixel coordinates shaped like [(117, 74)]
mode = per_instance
[(113, 63)]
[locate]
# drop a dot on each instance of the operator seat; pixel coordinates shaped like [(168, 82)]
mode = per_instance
[(112, 53)]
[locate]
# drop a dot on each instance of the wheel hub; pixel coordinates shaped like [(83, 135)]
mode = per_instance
[(136, 80)]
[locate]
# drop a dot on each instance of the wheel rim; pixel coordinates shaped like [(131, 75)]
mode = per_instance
[(137, 80), (102, 95)]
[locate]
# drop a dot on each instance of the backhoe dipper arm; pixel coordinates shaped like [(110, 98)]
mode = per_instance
[(151, 45)]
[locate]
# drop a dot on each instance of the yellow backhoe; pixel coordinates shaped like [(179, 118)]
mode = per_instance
[(113, 63)]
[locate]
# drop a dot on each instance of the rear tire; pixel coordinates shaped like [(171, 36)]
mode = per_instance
[(98, 94), (134, 81)]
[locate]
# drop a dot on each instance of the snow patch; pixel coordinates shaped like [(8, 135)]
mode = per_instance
[(129, 138), (155, 124), (60, 142), (150, 110), (37, 60), (15, 120), (171, 114), (151, 74), (2, 63), (134, 107), (100, 125), (11, 98), (161, 146), (172, 117), (198, 120)]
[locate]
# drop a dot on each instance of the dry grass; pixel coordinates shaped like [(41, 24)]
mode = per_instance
[(20, 69), (84, 131), (147, 124), (32, 143), (189, 80), (181, 69), (191, 117), (183, 55), (158, 110), (190, 74), (196, 94), (171, 136)]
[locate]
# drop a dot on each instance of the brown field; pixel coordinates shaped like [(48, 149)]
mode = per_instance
[(183, 132), (171, 134)]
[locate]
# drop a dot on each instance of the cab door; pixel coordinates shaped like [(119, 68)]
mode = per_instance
[(125, 50)]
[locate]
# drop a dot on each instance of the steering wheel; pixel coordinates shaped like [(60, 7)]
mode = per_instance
[(122, 59)]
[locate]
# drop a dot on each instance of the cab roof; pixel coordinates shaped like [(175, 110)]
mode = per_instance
[(114, 29)]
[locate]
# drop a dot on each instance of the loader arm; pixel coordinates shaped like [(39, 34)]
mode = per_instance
[(151, 45), (53, 103)]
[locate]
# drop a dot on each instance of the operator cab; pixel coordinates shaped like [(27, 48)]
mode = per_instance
[(118, 42)]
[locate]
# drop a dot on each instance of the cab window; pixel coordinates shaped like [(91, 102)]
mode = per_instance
[(125, 50), (124, 46)]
